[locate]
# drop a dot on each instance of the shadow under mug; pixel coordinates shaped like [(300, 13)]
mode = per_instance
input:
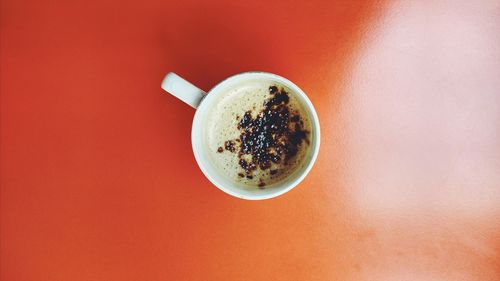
[(203, 102)]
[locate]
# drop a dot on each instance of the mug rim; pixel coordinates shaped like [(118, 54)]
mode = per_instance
[(196, 124)]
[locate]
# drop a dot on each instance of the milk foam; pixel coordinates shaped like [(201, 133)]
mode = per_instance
[(223, 125)]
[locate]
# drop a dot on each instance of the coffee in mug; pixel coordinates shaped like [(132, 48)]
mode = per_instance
[(255, 135)]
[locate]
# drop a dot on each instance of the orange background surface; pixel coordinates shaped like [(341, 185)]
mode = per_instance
[(98, 180)]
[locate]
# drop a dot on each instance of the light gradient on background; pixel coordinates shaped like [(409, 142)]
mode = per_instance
[(98, 180)]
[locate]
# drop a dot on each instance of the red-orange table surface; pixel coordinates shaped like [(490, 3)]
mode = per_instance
[(98, 180)]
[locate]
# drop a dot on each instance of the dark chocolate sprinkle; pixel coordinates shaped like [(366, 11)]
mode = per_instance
[(273, 136), (246, 120), (262, 184), (229, 145), (243, 164)]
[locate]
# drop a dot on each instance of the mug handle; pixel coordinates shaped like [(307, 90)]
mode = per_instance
[(182, 89)]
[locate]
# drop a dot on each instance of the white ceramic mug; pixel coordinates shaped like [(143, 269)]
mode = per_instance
[(203, 102)]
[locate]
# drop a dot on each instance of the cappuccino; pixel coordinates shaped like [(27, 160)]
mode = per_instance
[(258, 134)]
